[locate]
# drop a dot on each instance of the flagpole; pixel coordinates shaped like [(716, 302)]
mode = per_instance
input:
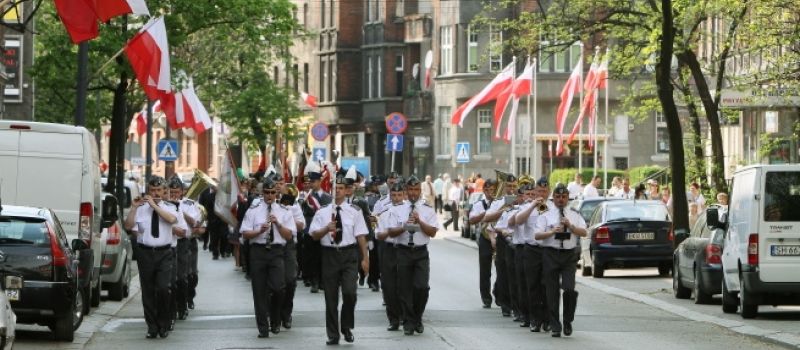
[(580, 132), (605, 127), (535, 120), (528, 138), (148, 169), (512, 118), (593, 120)]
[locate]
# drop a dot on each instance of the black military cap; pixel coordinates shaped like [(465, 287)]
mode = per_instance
[(175, 182), (490, 183), (511, 178), (340, 177), (412, 181), (269, 183), (560, 189), (394, 175), (377, 180), (398, 187), (156, 181), (543, 182)]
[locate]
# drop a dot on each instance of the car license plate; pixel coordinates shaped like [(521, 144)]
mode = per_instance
[(12, 294), (785, 250), (640, 236)]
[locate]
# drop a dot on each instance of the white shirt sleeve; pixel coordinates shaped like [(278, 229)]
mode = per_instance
[(359, 225)]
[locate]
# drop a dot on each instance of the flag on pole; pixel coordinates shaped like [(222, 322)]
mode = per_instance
[(107, 9), (148, 53), (79, 19), (184, 110), (522, 86), (489, 93), (309, 99), (572, 87), (227, 191), (141, 121), (587, 107)]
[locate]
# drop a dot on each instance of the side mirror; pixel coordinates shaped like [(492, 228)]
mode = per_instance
[(681, 235), (79, 244), (110, 211), (713, 218)]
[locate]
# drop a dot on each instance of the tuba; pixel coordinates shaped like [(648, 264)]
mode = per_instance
[(200, 183)]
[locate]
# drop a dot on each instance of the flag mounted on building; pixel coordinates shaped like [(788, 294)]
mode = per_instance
[(310, 100), (148, 53), (522, 86), (572, 87), (488, 94), (227, 191)]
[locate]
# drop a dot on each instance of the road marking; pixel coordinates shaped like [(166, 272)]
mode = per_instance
[(778, 337), (113, 325)]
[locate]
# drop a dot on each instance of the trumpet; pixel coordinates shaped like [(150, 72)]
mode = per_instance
[(542, 207)]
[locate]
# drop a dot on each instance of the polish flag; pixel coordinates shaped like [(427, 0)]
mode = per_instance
[(79, 19), (572, 87), (522, 86), (309, 99), (202, 121), (141, 121), (184, 110), (590, 85), (148, 53), (107, 9), (602, 73), (489, 93)]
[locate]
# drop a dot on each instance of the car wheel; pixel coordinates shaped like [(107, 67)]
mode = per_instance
[(663, 269), (747, 305), (597, 269), (127, 290), (729, 302), (64, 327), (700, 296), (116, 290), (96, 292), (678, 289)]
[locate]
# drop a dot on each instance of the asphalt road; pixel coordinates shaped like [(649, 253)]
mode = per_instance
[(454, 318)]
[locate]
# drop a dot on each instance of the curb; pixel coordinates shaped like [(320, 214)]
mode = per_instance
[(771, 336)]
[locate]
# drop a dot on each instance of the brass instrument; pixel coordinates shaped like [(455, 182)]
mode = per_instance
[(199, 224), (200, 183), (542, 207), (502, 179)]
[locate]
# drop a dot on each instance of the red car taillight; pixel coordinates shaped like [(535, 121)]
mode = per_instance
[(113, 235), (59, 258), (602, 236), (752, 249), (713, 254), (85, 222)]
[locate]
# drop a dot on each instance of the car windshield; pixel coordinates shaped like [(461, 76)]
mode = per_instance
[(637, 211), (587, 208), (23, 231), (782, 197)]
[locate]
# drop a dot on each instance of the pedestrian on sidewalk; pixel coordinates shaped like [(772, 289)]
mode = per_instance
[(454, 199), (438, 187)]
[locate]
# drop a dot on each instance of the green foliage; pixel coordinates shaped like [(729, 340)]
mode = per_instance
[(567, 175), (638, 174)]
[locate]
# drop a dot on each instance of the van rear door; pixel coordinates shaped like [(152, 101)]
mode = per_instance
[(779, 227), (9, 143), (53, 167)]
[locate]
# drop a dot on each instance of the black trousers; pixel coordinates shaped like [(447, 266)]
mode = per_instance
[(374, 278), (155, 277), (290, 265), (191, 277), (559, 273), (413, 277), (533, 268), (438, 203), (313, 256), (339, 272), (523, 308), (173, 287), (244, 255), (388, 255), (501, 294), (453, 216), (268, 282), (219, 239), (485, 268), (184, 254), (511, 277)]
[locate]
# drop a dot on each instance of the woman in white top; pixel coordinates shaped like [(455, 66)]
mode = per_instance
[(694, 196)]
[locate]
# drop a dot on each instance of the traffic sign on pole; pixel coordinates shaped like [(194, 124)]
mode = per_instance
[(462, 152), (320, 154), (319, 131), (396, 123), (394, 143), (168, 150)]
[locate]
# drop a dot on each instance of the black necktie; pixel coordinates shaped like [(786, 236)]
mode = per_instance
[(154, 224), (337, 238), (271, 226), (411, 234)]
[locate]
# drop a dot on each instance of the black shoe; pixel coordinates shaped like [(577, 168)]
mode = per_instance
[(307, 283), (276, 329), (151, 335), (525, 324), (445, 226), (163, 334), (546, 326), (375, 288), (287, 323), (263, 334), (536, 327), (555, 334), (171, 325), (487, 304), (190, 305), (361, 281), (567, 328), (420, 328), (393, 327), (348, 336), (408, 331), (182, 315), (332, 341), (517, 318), (506, 313), (314, 289), (216, 257)]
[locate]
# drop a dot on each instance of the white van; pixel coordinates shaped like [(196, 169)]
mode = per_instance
[(761, 251), (57, 166)]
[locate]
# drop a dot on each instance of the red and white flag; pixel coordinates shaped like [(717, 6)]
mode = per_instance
[(309, 99), (522, 86), (202, 121), (141, 117), (587, 108), (79, 19), (108, 9), (488, 94), (148, 53), (184, 110), (227, 191), (572, 87)]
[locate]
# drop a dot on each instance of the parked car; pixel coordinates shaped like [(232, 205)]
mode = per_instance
[(8, 322), (116, 270), (57, 166), (41, 271), (697, 263), (628, 233), (467, 230), (131, 190), (761, 249), (587, 206)]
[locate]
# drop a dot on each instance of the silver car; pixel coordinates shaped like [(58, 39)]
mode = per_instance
[(117, 257), (8, 323)]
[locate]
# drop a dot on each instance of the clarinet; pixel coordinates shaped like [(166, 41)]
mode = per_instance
[(269, 220), (565, 233), (411, 231)]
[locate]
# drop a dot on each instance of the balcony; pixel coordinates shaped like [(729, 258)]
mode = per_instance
[(418, 27), (418, 105)]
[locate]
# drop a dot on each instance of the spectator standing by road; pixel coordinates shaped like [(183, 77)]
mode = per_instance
[(694, 196), (590, 191), (438, 187), (653, 191), (575, 187), (626, 192), (428, 192), (479, 182), (454, 197)]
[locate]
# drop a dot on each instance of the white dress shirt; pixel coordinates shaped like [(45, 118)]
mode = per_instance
[(258, 214), (625, 195), (529, 227), (297, 214), (574, 189), (479, 207), (590, 191), (552, 219), (399, 217), (353, 224), (144, 216), (384, 223)]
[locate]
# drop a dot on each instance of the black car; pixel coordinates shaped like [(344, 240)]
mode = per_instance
[(697, 264), (39, 270), (628, 233), (587, 206)]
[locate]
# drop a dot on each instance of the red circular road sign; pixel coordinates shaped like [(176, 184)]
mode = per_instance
[(396, 123), (319, 131)]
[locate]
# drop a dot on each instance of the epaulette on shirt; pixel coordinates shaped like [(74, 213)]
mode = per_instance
[(575, 210), (427, 205), (188, 201), (256, 203), (356, 207)]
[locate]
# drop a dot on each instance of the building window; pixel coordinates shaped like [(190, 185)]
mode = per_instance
[(522, 130), (305, 16), (484, 131), (621, 163), (472, 49), (305, 77), (350, 145), (495, 49), (398, 74), (368, 12), (323, 77), (447, 50), (377, 8), (295, 77), (275, 74), (444, 130), (545, 58), (662, 135), (621, 129), (331, 79), (332, 21), (369, 78), (322, 14), (379, 77)]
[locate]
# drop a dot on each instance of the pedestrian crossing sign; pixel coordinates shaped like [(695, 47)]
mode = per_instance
[(168, 150), (462, 152)]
